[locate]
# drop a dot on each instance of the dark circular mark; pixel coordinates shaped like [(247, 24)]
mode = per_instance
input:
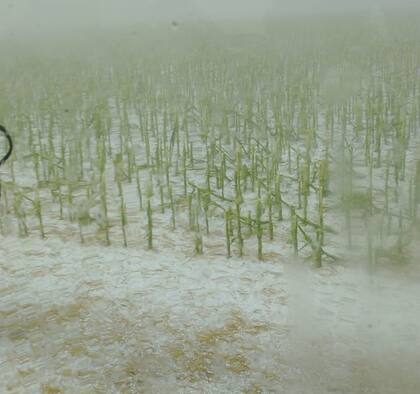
[(9, 139)]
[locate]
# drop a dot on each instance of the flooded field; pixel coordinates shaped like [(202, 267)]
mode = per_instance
[(212, 207), (92, 320)]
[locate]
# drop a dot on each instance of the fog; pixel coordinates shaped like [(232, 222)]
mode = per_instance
[(42, 15), (124, 265)]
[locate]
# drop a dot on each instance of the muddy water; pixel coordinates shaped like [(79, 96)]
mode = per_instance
[(107, 320)]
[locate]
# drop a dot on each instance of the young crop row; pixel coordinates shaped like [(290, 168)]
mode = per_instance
[(246, 150)]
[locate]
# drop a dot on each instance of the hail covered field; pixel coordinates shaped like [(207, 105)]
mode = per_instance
[(227, 208)]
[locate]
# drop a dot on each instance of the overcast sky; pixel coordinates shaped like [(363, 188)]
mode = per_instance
[(44, 13)]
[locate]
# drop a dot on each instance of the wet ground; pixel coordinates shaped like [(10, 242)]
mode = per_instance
[(89, 319)]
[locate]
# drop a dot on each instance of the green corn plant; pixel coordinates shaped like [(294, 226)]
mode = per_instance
[(38, 213), (294, 230), (149, 226), (259, 229), (228, 227)]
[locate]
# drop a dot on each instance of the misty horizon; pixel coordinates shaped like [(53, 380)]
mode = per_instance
[(47, 14)]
